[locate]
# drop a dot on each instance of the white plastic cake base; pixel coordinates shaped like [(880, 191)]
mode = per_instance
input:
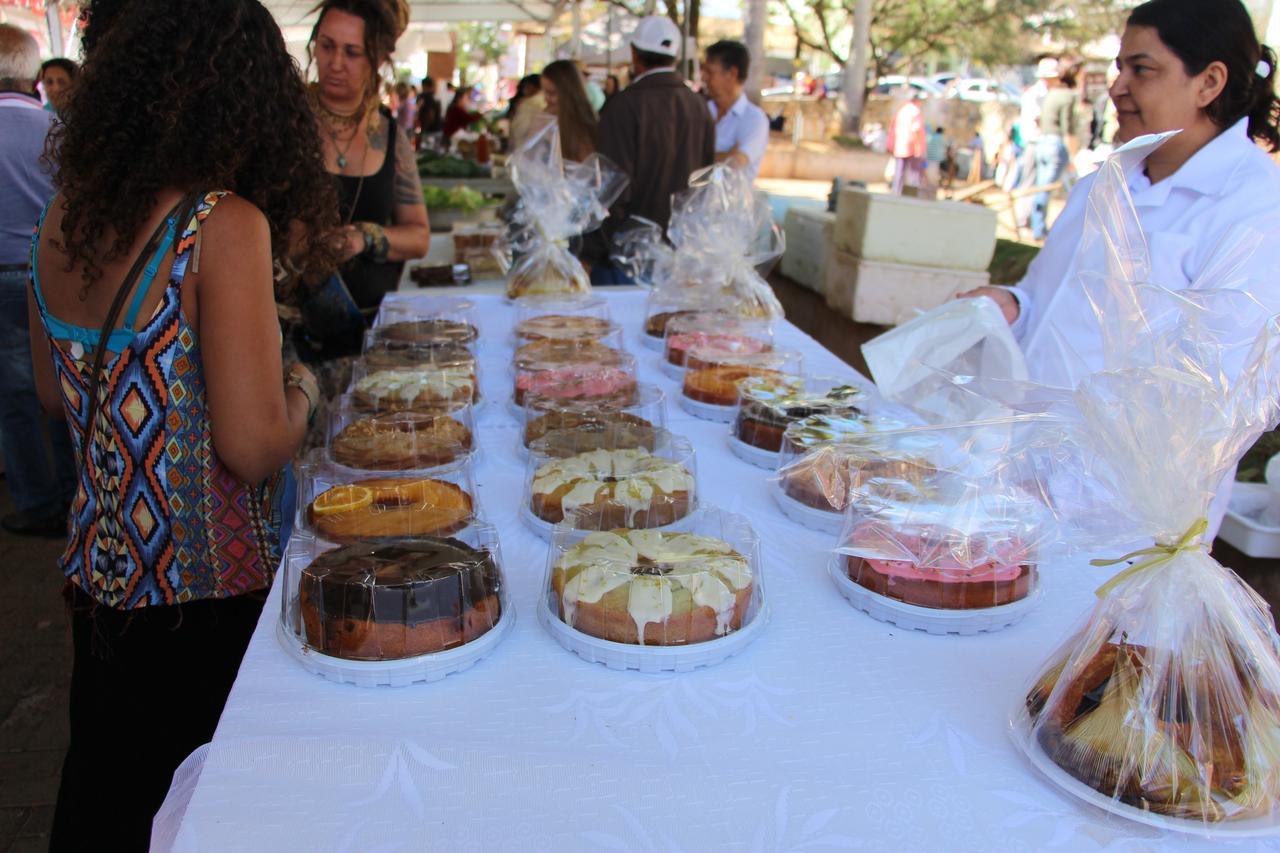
[(545, 529), (674, 372), (651, 658), (928, 619), (1254, 827), (767, 459), (709, 411), (396, 673), (814, 519), (650, 342)]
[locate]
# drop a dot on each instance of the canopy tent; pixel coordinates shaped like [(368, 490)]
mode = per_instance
[(292, 13)]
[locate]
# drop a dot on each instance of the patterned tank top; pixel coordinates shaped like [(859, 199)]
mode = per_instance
[(157, 519)]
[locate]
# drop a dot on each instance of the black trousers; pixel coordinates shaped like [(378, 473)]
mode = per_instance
[(147, 689)]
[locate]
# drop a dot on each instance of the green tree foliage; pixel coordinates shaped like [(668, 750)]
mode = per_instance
[(988, 32), (477, 44)]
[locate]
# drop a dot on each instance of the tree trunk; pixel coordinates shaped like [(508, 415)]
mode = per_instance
[(757, 18), (855, 71)]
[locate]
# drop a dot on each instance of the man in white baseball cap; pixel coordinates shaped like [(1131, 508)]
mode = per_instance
[(657, 131)]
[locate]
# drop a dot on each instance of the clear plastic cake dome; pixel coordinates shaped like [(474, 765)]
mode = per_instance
[(656, 600), (601, 480), (436, 386), (340, 504), (394, 611), (400, 441), (429, 322), (716, 329), (610, 382), (709, 388), (767, 407), (561, 316), (543, 414)]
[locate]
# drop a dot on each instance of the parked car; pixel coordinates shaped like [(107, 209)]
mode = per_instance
[(984, 90), (896, 84)]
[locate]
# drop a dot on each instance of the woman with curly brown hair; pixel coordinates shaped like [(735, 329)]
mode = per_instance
[(379, 191), (188, 159)]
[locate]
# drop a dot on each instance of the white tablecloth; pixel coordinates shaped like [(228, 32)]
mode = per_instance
[(831, 731)]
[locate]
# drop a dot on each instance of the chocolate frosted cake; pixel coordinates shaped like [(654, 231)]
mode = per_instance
[(767, 408), (385, 602), (435, 331)]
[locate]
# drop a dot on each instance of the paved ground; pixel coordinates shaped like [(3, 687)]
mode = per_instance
[(35, 649)]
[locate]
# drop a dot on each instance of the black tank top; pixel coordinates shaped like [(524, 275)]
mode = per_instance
[(375, 202)]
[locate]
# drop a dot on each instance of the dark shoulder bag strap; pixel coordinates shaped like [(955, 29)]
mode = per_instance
[(117, 305)]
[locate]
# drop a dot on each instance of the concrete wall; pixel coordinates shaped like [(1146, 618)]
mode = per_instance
[(813, 161)]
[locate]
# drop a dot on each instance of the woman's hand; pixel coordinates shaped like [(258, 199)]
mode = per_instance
[(999, 295), (347, 242)]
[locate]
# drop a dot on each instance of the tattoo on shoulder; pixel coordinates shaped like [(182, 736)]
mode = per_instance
[(408, 185)]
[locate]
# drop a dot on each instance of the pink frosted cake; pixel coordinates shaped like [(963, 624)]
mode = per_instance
[(679, 344), (579, 382)]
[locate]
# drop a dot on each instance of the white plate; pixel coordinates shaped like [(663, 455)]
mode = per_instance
[(767, 459), (1254, 827), (546, 529), (397, 673), (708, 411), (814, 519), (928, 619), (651, 658)]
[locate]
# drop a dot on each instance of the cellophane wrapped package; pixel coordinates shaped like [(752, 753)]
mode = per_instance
[(1165, 705), (721, 234), (558, 200)]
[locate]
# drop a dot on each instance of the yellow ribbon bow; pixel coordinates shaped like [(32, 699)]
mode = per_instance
[(1156, 556)]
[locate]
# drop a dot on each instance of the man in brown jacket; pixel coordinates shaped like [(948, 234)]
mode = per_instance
[(658, 131)]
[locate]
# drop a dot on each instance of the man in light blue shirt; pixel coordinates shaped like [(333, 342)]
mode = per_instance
[(742, 128), (40, 487)]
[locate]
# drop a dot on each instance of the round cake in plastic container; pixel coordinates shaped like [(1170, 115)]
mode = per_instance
[(712, 330), (813, 481), (561, 316), (766, 408), (611, 384), (380, 354), (641, 416), (394, 612), (340, 505), (443, 322), (400, 441), (941, 545), (431, 387), (570, 476), (709, 389), (551, 352), (662, 307), (656, 600), (400, 305)]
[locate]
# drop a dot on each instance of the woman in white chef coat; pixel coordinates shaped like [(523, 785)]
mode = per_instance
[(1187, 65)]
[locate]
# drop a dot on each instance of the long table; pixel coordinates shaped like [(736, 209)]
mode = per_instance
[(832, 730)]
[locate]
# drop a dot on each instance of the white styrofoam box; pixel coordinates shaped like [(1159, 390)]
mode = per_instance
[(888, 294), (809, 246), (900, 230)]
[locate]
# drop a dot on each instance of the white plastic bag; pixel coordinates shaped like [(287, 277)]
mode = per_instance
[(925, 362)]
